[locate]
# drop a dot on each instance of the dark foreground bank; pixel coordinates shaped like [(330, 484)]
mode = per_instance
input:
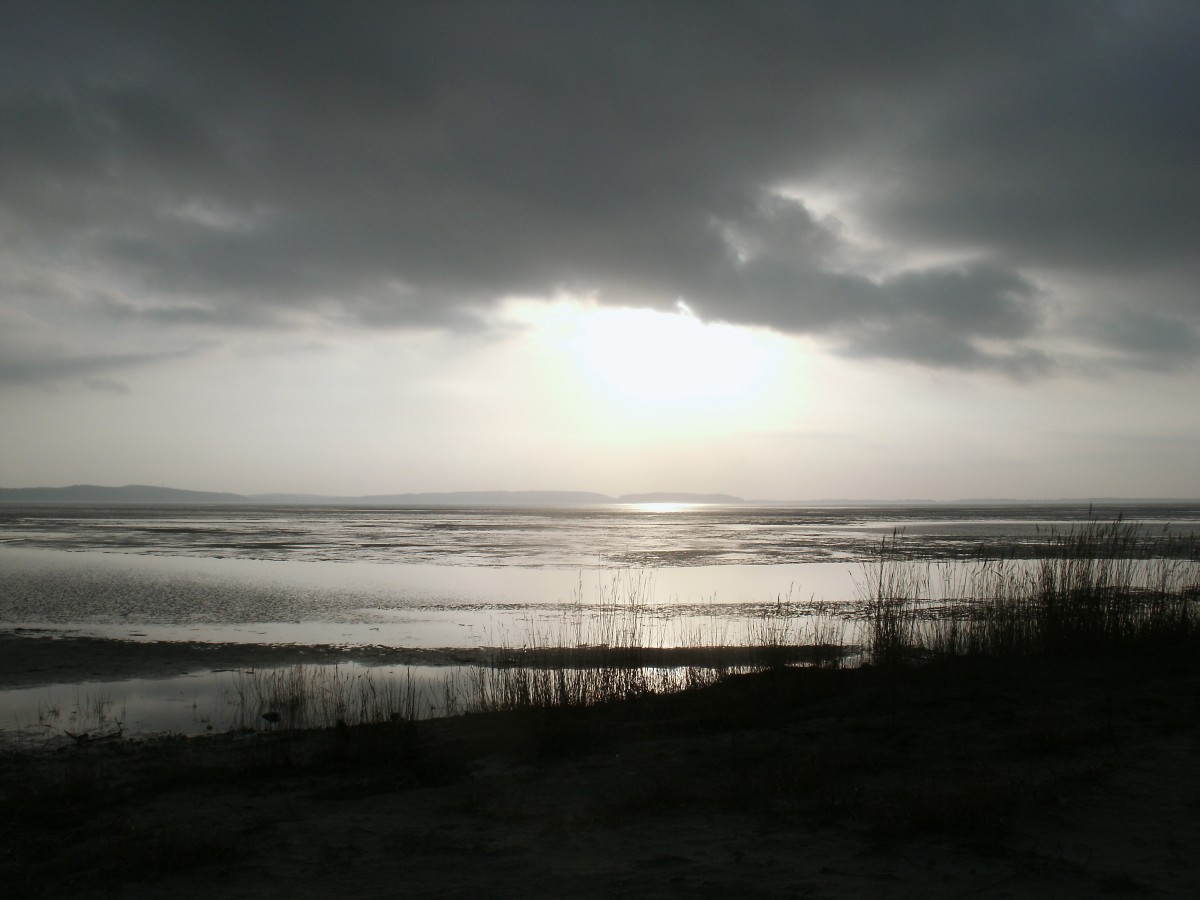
[(1019, 778)]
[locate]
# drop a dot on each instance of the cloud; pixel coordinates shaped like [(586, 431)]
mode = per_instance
[(409, 165), (108, 386), (19, 366), (1150, 339)]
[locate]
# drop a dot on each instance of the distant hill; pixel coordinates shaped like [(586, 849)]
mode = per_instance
[(484, 498), (147, 495), (130, 493), (150, 495)]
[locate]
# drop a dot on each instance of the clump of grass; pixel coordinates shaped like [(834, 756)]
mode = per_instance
[(495, 688), (323, 697), (1098, 587), (786, 633), (1109, 584), (612, 650), (617, 649), (87, 717), (895, 591), (595, 653)]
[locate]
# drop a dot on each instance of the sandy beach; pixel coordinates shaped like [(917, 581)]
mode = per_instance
[(1021, 779)]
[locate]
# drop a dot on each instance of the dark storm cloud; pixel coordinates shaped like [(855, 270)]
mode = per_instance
[(20, 366), (404, 165), (1149, 339)]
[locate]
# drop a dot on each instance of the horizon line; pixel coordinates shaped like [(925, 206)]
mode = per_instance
[(696, 497)]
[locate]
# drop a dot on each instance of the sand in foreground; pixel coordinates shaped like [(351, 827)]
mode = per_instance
[(1002, 780)]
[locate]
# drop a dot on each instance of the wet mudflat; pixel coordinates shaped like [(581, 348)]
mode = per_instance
[(28, 659)]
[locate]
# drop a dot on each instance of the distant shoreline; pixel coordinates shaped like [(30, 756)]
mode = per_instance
[(137, 494), (149, 495)]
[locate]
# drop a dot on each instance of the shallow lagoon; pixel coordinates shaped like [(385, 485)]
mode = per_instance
[(447, 578), (414, 605), (197, 703)]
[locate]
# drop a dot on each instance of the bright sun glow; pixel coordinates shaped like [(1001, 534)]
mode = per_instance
[(643, 358)]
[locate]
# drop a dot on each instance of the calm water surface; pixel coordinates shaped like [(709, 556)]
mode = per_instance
[(458, 577), (443, 576)]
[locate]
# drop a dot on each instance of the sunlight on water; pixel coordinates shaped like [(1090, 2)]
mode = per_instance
[(456, 578), (262, 601)]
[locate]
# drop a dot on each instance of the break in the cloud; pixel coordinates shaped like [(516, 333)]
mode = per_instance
[(1008, 186)]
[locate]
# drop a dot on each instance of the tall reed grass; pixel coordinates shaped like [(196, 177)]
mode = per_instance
[(1094, 588), (614, 649), (323, 696)]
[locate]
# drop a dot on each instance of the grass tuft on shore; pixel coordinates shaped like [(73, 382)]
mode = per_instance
[(1100, 587)]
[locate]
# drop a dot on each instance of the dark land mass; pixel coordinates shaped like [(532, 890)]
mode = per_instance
[(133, 494), (148, 495), (31, 657), (983, 778)]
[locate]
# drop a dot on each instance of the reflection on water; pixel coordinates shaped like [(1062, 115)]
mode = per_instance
[(617, 536), (451, 577), (270, 699), (223, 701), (201, 703), (50, 715), (470, 577), (448, 578), (262, 601)]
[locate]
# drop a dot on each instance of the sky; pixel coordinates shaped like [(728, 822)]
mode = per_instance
[(780, 250)]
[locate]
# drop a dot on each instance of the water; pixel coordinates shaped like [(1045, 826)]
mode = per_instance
[(452, 577), (233, 573), (615, 536), (457, 577), (203, 702)]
